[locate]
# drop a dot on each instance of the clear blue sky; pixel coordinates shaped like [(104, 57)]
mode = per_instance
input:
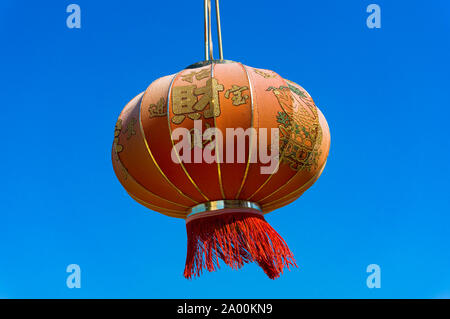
[(383, 197)]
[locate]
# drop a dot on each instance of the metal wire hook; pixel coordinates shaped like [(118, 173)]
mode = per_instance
[(208, 34)]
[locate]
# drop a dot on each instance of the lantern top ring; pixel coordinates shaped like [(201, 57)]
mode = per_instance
[(208, 62), (222, 206)]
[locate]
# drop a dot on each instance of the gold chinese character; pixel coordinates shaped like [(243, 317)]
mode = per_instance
[(185, 101), (158, 108), (117, 130), (130, 128), (203, 74), (238, 98), (210, 96)]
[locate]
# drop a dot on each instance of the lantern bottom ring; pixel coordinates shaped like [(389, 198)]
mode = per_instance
[(222, 207)]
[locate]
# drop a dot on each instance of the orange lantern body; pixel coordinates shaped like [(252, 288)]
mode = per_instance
[(222, 201)]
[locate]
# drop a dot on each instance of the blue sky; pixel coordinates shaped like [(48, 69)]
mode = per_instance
[(382, 199)]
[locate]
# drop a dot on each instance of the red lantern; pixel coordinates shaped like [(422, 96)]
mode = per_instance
[(237, 178)]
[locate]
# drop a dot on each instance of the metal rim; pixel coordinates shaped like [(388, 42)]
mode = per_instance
[(223, 205), (208, 62)]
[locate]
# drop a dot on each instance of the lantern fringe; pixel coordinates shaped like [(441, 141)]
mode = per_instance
[(236, 238)]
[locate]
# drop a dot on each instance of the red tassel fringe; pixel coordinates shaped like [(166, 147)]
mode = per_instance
[(236, 238)]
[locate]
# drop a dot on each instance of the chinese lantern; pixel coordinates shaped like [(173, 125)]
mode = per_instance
[(221, 185)]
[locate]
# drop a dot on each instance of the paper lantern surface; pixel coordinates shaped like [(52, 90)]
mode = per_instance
[(245, 98)]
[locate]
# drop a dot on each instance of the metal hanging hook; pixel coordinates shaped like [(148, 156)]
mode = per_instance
[(208, 34), (206, 28), (219, 30), (209, 31)]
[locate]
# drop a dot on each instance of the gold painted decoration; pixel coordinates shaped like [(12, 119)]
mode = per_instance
[(187, 103), (300, 131), (264, 74), (158, 109), (238, 97), (200, 75), (130, 130), (118, 147)]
